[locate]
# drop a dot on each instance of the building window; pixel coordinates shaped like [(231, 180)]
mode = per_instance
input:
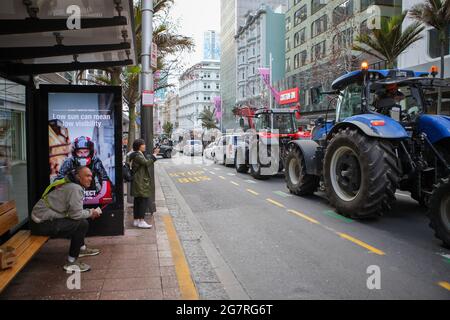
[(300, 15), (297, 61), (316, 5), (288, 64), (434, 45), (288, 44), (388, 3), (319, 26), (288, 24), (300, 59), (343, 40), (342, 12), (300, 37), (303, 56), (318, 51)]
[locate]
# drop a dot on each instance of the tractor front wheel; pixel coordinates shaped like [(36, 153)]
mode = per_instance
[(360, 174), (439, 211)]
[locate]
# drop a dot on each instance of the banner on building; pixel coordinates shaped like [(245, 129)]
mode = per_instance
[(265, 75)]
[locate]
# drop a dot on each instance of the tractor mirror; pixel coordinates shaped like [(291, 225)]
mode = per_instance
[(315, 95), (319, 121)]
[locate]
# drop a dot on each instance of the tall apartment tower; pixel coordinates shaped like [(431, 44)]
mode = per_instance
[(211, 45), (232, 16)]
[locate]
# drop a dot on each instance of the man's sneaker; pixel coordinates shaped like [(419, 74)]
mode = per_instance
[(88, 252), (76, 267), (144, 225), (135, 223)]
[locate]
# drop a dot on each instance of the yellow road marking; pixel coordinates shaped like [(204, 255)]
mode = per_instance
[(444, 285), (360, 243), (275, 203), (253, 192), (236, 184), (187, 286), (221, 177), (183, 180), (301, 215)]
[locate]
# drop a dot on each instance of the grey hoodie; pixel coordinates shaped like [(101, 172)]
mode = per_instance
[(65, 201)]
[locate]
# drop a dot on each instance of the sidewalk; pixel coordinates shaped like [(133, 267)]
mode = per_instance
[(138, 265)]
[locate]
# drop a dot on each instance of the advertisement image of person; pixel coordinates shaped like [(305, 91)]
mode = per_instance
[(83, 154)]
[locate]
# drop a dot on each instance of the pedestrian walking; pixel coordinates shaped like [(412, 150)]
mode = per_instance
[(140, 185)]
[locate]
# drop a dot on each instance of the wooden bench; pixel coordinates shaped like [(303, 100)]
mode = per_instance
[(25, 244)]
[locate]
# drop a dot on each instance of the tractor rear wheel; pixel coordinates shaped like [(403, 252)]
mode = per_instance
[(439, 211), (298, 181), (360, 174)]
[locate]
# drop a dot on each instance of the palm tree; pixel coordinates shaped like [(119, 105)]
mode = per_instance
[(207, 118), (436, 14), (390, 41)]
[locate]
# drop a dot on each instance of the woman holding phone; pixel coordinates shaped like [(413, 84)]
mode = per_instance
[(140, 185)]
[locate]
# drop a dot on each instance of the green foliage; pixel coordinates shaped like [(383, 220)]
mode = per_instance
[(208, 119), (390, 41), (168, 128)]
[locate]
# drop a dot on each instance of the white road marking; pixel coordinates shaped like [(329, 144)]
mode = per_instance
[(231, 174), (251, 181)]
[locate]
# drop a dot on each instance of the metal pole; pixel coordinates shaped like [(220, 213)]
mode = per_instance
[(147, 84)]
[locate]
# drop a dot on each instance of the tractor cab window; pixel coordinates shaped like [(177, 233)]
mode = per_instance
[(350, 104), (262, 122), (391, 99), (283, 123)]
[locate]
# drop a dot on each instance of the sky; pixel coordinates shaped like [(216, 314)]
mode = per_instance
[(196, 17)]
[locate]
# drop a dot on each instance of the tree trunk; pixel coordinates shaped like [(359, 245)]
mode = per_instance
[(131, 126)]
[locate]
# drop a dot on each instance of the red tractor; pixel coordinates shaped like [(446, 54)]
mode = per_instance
[(262, 149)]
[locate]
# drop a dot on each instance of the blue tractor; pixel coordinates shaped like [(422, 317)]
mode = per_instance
[(381, 140)]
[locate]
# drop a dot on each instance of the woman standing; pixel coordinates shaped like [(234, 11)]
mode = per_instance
[(140, 185)]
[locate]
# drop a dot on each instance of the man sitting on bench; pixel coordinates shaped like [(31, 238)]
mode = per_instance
[(60, 214)]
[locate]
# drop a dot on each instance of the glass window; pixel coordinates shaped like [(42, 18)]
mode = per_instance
[(13, 161), (434, 45), (351, 102), (319, 26), (343, 39), (288, 24), (288, 44), (318, 51), (342, 12), (300, 37), (389, 3), (283, 123), (300, 15), (316, 5), (288, 64)]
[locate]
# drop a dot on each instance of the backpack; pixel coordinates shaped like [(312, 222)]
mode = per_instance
[(127, 172), (56, 184)]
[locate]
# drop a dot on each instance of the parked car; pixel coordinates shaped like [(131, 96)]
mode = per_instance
[(224, 152), (166, 149), (193, 147)]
